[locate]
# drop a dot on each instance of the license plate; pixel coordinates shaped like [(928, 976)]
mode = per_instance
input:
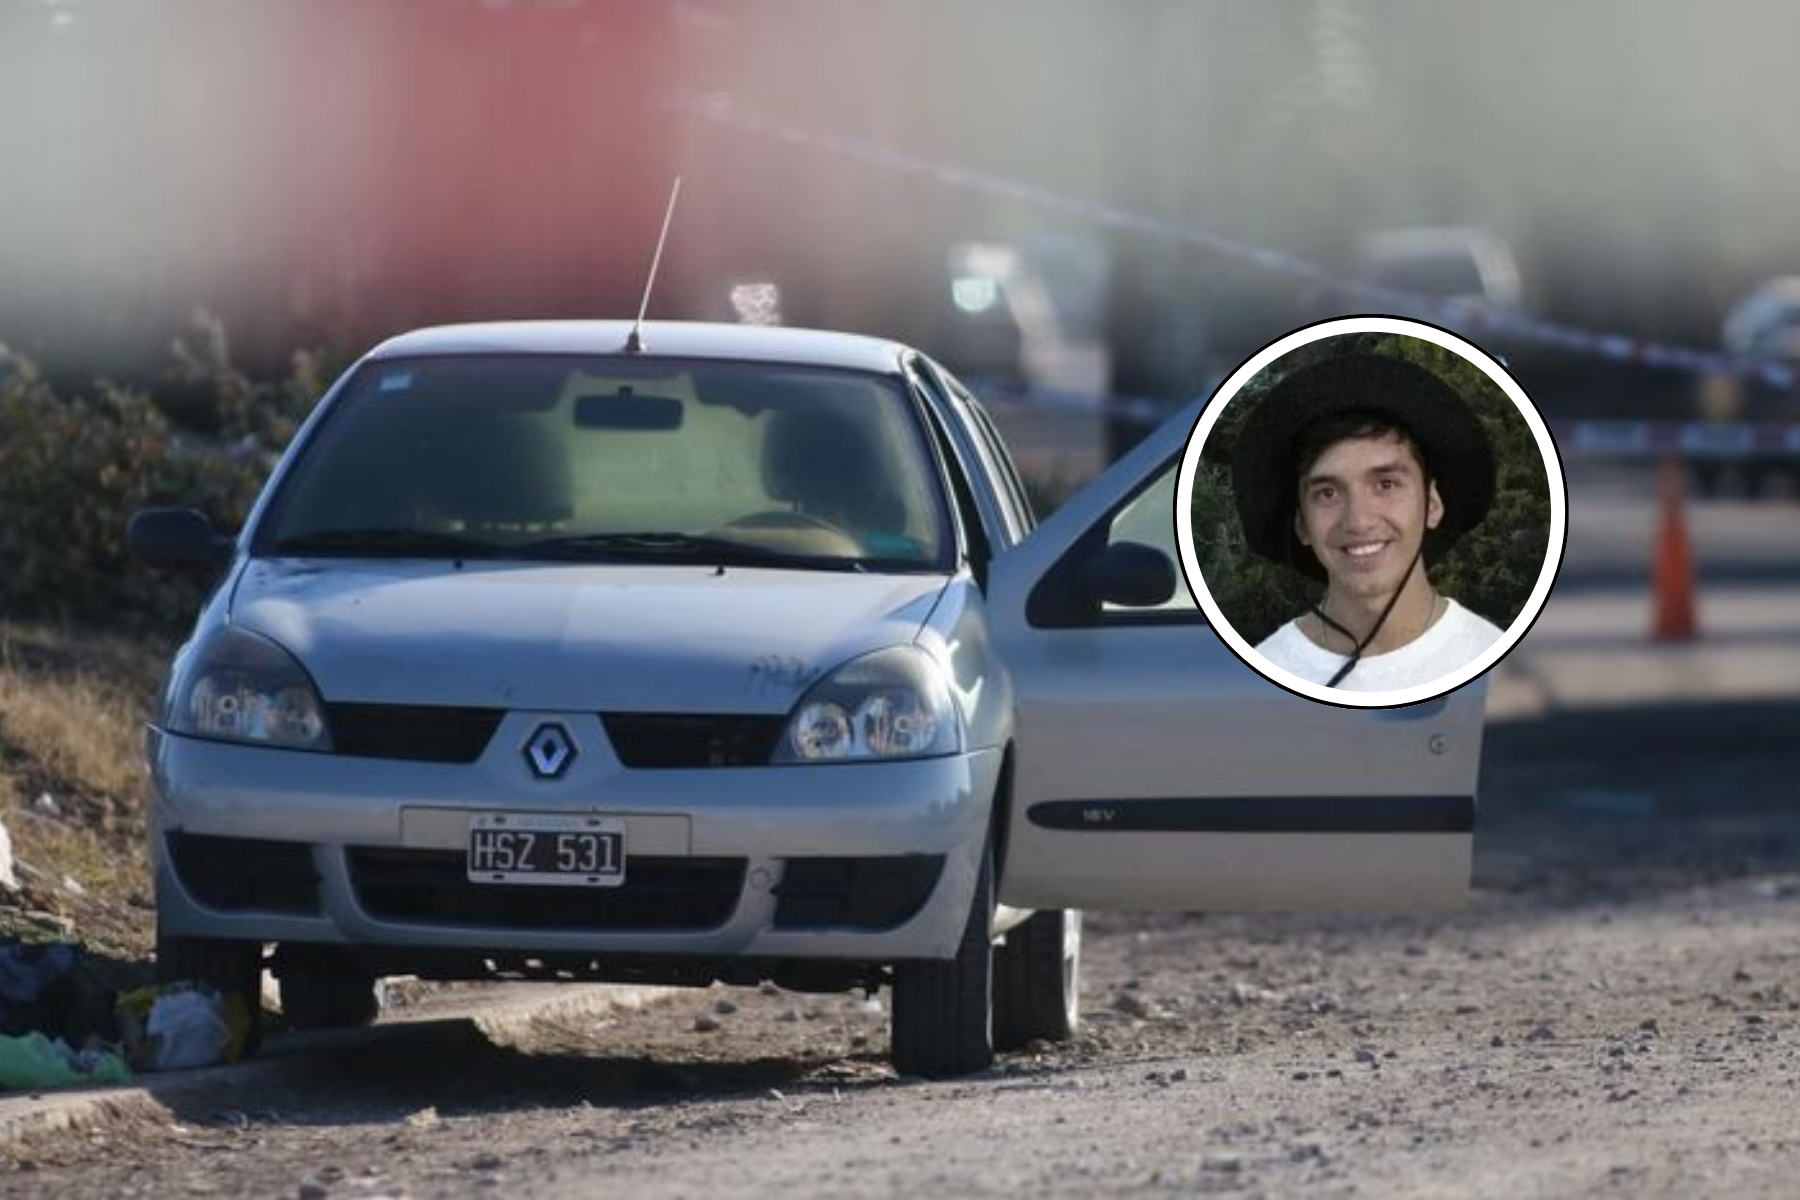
[(571, 851)]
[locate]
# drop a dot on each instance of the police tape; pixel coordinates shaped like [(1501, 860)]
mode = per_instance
[(1471, 316), (1723, 440), (1664, 439), (1140, 411)]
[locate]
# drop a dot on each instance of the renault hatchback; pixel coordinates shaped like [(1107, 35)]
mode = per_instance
[(733, 654)]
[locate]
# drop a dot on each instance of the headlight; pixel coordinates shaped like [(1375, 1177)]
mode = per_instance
[(890, 704), (240, 687)]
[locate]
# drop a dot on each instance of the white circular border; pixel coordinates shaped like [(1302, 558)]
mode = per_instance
[(1184, 494)]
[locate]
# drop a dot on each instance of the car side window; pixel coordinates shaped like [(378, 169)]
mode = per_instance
[(956, 483), (1013, 493), (987, 492)]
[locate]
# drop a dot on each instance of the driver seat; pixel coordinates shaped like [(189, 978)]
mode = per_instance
[(829, 468)]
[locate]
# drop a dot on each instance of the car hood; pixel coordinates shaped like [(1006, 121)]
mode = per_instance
[(575, 637)]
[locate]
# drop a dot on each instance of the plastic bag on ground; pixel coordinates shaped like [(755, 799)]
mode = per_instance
[(35, 1061), (180, 1025), (188, 1030), (54, 989), (27, 969)]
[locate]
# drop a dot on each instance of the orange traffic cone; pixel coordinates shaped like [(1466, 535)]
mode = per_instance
[(1672, 574)]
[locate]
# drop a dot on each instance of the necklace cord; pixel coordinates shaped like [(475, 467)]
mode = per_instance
[(1360, 646)]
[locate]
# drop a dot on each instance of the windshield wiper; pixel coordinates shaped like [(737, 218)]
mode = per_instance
[(675, 547), (386, 541)]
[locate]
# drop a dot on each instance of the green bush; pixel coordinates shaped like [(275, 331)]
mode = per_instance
[(233, 406), (73, 470), (1491, 570)]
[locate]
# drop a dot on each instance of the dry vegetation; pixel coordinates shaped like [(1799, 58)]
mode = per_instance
[(72, 788)]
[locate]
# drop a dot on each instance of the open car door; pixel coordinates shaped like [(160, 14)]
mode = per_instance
[(1154, 770)]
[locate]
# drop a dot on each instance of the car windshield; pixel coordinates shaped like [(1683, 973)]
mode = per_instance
[(616, 460)]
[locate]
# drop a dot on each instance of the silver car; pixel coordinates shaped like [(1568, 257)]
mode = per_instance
[(734, 655)]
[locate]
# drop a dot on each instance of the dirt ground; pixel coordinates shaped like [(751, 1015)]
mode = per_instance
[(1616, 1013)]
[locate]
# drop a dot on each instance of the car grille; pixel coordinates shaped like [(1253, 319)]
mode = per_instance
[(416, 733), (431, 887), (863, 893), (237, 874), (652, 741)]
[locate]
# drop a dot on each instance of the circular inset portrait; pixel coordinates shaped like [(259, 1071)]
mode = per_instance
[(1371, 512)]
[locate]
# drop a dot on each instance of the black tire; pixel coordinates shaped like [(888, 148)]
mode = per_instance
[(234, 968), (943, 1019), (322, 989), (1037, 980)]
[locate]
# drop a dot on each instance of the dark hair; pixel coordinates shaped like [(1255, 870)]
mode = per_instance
[(1328, 431)]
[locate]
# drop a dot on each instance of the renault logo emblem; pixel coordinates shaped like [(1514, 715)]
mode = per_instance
[(550, 751)]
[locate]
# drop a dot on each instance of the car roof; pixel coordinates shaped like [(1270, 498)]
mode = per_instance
[(661, 339)]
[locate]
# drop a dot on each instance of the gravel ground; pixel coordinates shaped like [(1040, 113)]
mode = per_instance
[(1617, 1013)]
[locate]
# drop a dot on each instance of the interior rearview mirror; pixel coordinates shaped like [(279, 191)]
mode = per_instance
[(628, 409)]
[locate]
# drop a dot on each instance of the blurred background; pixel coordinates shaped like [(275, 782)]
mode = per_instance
[(1095, 210), (321, 174)]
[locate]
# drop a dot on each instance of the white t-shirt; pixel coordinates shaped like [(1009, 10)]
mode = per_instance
[(1452, 643)]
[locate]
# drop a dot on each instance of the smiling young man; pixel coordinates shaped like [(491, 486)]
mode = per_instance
[(1361, 471)]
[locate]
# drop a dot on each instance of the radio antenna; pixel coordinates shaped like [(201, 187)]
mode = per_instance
[(635, 343)]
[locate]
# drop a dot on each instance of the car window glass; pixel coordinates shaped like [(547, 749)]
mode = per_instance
[(969, 517), (981, 473), (994, 467), (511, 451), (1013, 492)]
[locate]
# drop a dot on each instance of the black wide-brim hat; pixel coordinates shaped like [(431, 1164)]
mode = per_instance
[(1449, 436)]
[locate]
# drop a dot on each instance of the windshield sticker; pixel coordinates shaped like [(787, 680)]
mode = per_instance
[(397, 381)]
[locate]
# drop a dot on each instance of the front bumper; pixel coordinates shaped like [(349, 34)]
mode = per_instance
[(380, 844)]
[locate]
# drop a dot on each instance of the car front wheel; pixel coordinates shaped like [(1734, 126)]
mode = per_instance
[(943, 1019), (1037, 980), (321, 989)]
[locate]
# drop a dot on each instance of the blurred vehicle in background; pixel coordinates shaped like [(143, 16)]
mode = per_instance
[(1028, 313), (1423, 273), (1764, 324), (1442, 266), (1026, 318)]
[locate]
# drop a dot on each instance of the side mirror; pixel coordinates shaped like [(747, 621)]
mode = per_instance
[(1130, 574), (177, 538)]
